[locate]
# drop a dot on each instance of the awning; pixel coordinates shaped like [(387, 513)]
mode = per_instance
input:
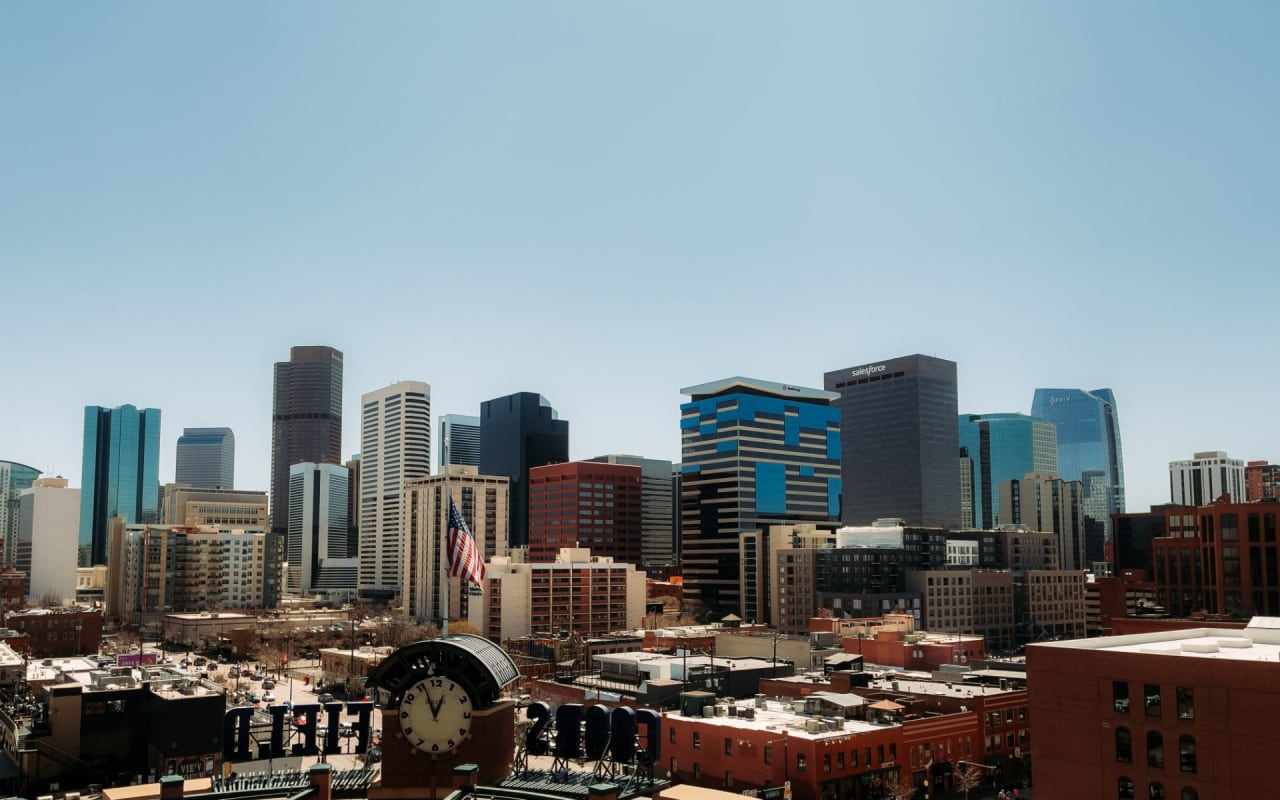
[(941, 768), (886, 705), (997, 760)]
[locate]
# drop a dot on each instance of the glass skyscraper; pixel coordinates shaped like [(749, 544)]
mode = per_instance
[(120, 476), (1003, 447), (898, 428), (206, 458), (1088, 446), (462, 435), (14, 477), (753, 454), (517, 432)]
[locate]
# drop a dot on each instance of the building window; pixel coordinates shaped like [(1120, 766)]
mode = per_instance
[(728, 779), (1156, 790), (826, 762), (728, 746), (1186, 703), (1120, 694), (1187, 753), (840, 760), (768, 754), (697, 770), (1151, 697), (799, 762), (1155, 749), (1124, 746), (1124, 788), (697, 740), (1189, 794), (671, 737)]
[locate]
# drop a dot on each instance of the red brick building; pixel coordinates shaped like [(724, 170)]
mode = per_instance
[(13, 591), (1261, 481), (585, 504), (54, 633), (1176, 715)]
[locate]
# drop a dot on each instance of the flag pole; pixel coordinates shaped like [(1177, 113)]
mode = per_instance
[(443, 544)]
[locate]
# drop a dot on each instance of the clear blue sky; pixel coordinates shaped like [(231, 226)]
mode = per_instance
[(604, 202)]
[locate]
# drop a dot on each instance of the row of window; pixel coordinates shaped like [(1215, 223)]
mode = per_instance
[(1152, 699), (1125, 789), (1155, 750)]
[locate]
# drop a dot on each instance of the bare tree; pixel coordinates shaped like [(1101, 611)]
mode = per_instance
[(893, 787), (49, 600), (969, 778)]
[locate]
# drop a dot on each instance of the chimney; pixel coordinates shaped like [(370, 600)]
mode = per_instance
[(171, 787), (464, 778), (321, 778)]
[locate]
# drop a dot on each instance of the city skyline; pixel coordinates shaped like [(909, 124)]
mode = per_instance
[(1044, 196)]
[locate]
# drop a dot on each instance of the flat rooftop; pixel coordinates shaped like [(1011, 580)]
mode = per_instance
[(779, 715), (1260, 641)]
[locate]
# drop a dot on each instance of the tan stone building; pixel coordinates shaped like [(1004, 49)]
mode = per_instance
[(233, 509)]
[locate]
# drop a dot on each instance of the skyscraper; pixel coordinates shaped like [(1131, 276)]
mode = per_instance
[(48, 530), (395, 446), (120, 475), (206, 458), (1045, 502), (316, 546), (306, 422), (656, 509), (1088, 447), (1204, 478), (585, 504), (900, 440), (459, 440), (1003, 447), (14, 477), (517, 432), (754, 454)]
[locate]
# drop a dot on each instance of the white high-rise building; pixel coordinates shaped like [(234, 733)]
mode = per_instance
[(48, 535), (317, 543), (1205, 478), (395, 447)]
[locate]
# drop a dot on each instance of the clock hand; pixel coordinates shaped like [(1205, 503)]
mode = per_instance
[(435, 706)]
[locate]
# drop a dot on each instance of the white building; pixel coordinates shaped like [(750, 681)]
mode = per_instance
[(1205, 478), (48, 538), (581, 593), (485, 504), (395, 447), (316, 549)]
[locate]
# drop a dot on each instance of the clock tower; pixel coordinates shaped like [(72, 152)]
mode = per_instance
[(442, 706)]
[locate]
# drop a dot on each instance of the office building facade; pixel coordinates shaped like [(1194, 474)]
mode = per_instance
[(306, 421), (657, 510), (1089, 448), (518, 432), (317, 538), (899, 439), (459, 440), (120, 476), (14, 478), (206, 458), (484, 502), (1047, 503), (395, 447), (753, 454), (1206, 478), (184, 505), (585, 504), (1261, 481), (48, 533), (1002, 447)]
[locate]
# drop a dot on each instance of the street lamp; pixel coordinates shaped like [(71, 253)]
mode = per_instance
[(786, 757)]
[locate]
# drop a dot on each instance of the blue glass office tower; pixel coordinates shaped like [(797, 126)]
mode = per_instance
[(1088, 447), (120, 476), (753, 454), (14, 478), (1003, 447), (206, 458)]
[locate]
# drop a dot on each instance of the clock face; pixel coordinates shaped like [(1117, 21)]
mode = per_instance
[(435, 715)]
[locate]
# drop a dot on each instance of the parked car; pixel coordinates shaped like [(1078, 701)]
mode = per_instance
[(324, 697), (268, 684), (373, 756), (255, 698)]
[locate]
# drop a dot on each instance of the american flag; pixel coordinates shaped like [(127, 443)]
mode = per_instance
[(465, 560)]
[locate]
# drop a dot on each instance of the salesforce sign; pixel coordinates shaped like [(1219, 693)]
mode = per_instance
[(874, 369)]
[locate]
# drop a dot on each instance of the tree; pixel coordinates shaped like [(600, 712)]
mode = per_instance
[(970, 777), (49, 600), (894, 788)]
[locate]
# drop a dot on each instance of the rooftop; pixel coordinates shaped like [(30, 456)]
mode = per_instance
[(1260, 641)]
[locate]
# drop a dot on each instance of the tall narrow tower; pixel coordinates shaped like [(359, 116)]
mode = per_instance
[(306, 422), (395, 446), (120, 476)]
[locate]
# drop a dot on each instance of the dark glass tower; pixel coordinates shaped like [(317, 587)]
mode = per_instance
[(1088, 447), (120, 476), (517, 432), (206, 458), (462, 433), (901, 440), (753, 454), (306, 422)]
